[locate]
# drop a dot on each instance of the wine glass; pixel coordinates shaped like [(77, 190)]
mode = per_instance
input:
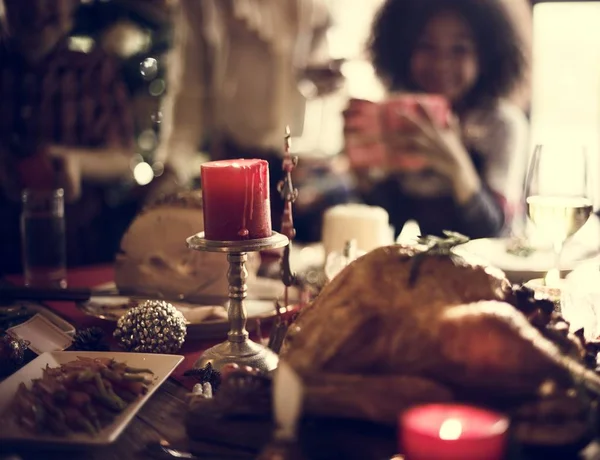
[(558, 195)]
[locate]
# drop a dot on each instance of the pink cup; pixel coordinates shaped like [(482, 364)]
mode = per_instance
[(372, 122), (408, 104)]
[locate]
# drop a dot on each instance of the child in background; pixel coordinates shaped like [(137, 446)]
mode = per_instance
[(465, 177)]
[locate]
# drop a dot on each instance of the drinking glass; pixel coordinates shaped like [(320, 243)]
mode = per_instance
[(558, 195), (43, 238)]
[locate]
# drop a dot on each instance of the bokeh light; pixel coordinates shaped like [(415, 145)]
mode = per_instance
[(149, 68), (143, 173)]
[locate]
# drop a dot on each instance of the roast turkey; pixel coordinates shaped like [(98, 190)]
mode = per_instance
[(401, 326)]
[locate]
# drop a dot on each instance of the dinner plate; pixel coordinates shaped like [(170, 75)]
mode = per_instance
[(161, 365), (521, 268), (203, 321)]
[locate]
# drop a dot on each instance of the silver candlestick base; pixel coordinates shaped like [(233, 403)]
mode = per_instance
[(238, 348)]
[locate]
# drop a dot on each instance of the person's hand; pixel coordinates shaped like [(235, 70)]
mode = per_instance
[(67, 169), (363, 135), (426, 145), (422, 144), (361, 118)]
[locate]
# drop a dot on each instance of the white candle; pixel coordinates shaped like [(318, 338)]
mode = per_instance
[(368, 225)]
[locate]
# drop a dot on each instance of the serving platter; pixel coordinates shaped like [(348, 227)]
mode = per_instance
[(161, 365)]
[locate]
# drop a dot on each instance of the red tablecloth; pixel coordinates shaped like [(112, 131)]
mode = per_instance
[(97, 275)]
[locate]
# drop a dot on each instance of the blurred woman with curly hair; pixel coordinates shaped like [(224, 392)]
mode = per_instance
[(467, 176)]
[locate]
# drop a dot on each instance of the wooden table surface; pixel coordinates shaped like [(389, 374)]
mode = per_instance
[(161, 418)]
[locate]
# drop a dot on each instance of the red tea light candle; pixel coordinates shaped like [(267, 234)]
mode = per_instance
[(452, 432), (236, 202)]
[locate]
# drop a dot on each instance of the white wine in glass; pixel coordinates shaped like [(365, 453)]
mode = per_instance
[(560, 216), (558, 194)]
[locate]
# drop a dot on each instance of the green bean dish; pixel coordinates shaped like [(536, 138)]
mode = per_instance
[(82, 396)]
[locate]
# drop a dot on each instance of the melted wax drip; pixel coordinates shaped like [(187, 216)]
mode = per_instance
[(253, 177)]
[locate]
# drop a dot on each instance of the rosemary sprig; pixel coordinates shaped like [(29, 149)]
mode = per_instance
[(435, 245)]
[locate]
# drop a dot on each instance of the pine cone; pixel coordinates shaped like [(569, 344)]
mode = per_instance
[(90, 339), (153, 327), (206, 374), (12, 353)]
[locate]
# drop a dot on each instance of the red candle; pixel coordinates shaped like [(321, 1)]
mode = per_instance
[(236, 203), (452, 432)]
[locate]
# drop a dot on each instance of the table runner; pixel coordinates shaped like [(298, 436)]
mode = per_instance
[(89, 277)]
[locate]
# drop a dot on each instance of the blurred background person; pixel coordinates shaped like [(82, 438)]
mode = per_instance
[(138, 33), (65, 122), (235, 72), (466, 177)]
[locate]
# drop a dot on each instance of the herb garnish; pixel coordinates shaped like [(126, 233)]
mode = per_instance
[(435, 246)]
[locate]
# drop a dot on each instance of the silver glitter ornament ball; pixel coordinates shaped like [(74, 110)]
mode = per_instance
[(154, 326)]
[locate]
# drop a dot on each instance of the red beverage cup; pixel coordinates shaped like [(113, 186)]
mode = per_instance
[(368, 123), (409, 104), (394, 124), (363, 135)]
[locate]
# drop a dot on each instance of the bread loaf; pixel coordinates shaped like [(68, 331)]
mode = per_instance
[(154, 257)]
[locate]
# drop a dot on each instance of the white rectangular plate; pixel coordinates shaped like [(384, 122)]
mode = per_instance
[(161, 365), (34, 307), (42, 334), (65, 326)]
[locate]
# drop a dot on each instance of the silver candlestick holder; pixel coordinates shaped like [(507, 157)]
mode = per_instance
[(238, 348)]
